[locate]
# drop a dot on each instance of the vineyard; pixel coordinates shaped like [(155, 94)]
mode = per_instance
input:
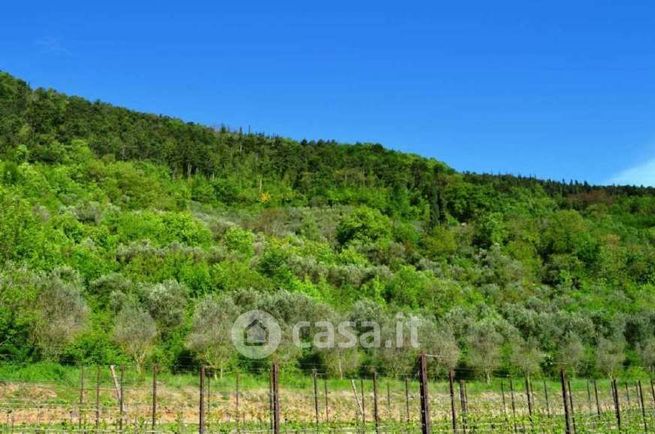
[(117, 400)]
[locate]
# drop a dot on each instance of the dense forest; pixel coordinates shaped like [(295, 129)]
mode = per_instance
[(134, 238)]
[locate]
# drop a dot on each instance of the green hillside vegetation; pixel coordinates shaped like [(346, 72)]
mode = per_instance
[(135, 238)]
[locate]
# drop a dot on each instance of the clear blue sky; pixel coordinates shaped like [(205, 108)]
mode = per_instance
[(559, 89)]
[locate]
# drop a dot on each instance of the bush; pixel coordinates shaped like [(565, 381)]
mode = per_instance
[(365, 225)]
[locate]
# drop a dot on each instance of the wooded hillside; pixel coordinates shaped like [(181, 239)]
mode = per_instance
[(133, 237)]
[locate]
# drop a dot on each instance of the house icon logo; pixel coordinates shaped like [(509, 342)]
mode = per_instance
[(256, 334)]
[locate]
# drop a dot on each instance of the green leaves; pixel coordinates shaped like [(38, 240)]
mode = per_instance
[(363, 225)]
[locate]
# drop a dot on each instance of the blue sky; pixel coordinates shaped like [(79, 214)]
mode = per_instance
[(557, 89)]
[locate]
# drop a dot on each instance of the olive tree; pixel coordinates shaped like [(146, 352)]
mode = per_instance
[(484, 344), (439, 341), (60, 311), (570, 353), (210, 331), (526, 356), (610, 355), (646, 352), (135, 332), (166, 303), (399, 344), (105, 289)]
